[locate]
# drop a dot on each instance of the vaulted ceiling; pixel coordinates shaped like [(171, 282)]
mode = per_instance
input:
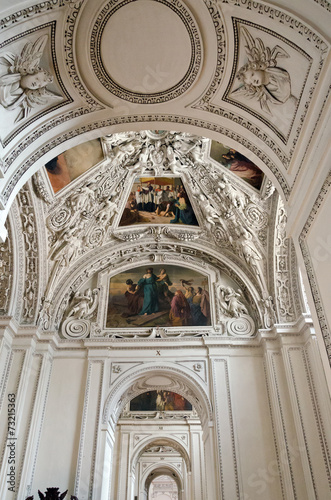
[(251, 77)]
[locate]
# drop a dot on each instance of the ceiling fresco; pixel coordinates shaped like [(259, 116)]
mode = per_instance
[(160, 401), (70, 164), (237, 163), (158, 200), (158, 296)]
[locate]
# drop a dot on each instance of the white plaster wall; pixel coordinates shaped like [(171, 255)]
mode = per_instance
[(271, 419), (253, 429), (58, 451)]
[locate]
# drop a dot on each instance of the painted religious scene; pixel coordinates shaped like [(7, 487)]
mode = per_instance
[(237, 163), (69, 165), (160, 401), (164, 296), (158, 200)]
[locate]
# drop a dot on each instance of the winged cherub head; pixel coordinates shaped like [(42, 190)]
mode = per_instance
[(250, 75), (36, 80), (24, 85)]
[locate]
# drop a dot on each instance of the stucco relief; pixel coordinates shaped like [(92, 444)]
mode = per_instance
[(24, 85), (87, 218), (30, 84), (6, 274), (265, 78), (152, 82), (31, 255)]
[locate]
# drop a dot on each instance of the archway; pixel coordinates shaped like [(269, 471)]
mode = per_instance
[(129, 437), (163, 484)]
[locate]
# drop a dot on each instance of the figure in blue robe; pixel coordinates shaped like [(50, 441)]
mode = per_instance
[(149, 287)]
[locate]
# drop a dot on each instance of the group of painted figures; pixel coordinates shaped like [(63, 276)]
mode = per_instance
[(153, 294), (159, 200), (160, 400)]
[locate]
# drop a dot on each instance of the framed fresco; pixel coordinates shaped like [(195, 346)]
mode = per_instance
[(69, 165), (158, 200), (237, 163), (160, 401), (158, 296)]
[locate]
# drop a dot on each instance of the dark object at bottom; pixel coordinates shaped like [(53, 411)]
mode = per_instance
[(52, 494)]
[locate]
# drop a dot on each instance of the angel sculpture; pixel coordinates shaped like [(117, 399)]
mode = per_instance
[(261, 77), (24, 85), (85, 304), (230, 301)]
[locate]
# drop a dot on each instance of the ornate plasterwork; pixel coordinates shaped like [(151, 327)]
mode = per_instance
[(6, 273), (109, 83), (325, 4), (92, 104), (285, 270), (31, 255), (181, 383), (136, 119), (263, 99), (309, 36), (31, 11), (310, 268), (22, 73), (233, 315), (229, 219)]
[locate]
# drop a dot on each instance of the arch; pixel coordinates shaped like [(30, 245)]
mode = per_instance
[(144, 444), (164, 469), (112, 125), (127, 387), (111, 254)]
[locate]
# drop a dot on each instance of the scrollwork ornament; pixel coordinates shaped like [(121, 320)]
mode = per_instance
[(76, 329), (255, 216), (61, 217), (95, 237), (241, 327)]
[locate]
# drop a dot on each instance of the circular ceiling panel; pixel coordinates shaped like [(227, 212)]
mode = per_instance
[(154, 59)]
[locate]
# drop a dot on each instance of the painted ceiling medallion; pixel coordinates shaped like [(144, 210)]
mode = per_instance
[(155, 59)]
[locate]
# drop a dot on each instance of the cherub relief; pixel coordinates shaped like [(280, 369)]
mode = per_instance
[(262, 79), (24, 84), (85, 304)]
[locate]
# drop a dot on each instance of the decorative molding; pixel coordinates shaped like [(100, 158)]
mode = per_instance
[(237, 23), (61, 139), (302, 425), (67, 98), (41, 423), (312, 135), (317, 413), (273, 425), (179, 386), (6, 272), (6, 370), (218, 429), (310, 268), (31, 11), (94, 471), (283, 268), (325, 4), (285, 19), (29, 229), (70, 60), (83, 428), (30, 416), (177, 90)]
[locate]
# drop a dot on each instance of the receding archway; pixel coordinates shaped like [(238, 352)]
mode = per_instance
[(127, 437), (163, 484)]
